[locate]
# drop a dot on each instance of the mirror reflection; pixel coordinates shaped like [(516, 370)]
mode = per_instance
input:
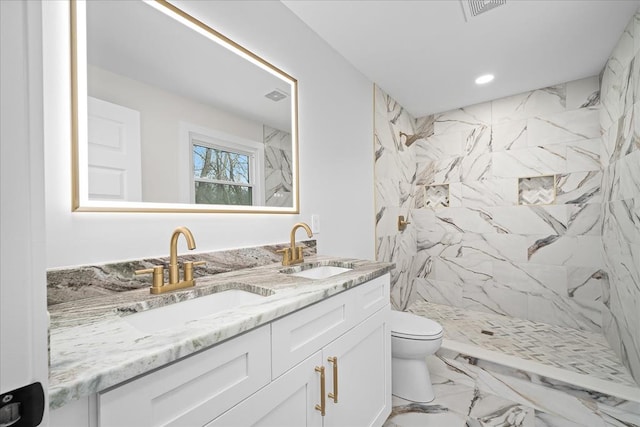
[(179, 117)]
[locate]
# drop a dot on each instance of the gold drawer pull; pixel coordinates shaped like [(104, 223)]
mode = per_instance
[(334, 395), (321, 406)]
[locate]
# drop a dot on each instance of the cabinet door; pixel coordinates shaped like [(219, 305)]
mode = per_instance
[(363, 375), (194, 390), (290, 400)]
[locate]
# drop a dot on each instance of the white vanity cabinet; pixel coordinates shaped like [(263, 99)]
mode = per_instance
[(356, 365), (271, 376)]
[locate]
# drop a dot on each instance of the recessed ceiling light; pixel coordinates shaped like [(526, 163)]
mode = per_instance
[(482, 80)]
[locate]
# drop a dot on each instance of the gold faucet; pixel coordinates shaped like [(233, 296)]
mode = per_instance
[(159, 286), (293, 254)]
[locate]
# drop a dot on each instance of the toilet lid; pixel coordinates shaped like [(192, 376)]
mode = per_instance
[(408, 325)]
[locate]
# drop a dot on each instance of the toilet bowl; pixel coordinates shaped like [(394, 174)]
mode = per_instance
[(413, 338)]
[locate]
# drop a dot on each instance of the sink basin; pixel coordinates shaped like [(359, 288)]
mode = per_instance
[(321, 272), (177, 314)]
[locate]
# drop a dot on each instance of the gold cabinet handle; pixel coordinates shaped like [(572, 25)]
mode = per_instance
[(321, 406), (334, 395)]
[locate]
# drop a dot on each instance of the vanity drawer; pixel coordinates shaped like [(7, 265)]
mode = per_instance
[(299, 335), (372, 296), (194, 390)]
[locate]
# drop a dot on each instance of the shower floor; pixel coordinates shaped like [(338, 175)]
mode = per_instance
[(579, 352), (527, 374)]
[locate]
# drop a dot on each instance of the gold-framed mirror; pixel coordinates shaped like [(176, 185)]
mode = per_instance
[(169, 115)]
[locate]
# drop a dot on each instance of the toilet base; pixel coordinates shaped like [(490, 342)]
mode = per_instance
[(411, 380)]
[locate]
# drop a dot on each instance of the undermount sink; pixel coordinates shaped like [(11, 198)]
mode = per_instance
[(177, 314), (321, 272)]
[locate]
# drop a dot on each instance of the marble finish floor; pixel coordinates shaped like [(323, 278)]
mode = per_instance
[(582, 352), (470, 393)]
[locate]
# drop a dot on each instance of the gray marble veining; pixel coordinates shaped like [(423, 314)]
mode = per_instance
[(572, 259), (93, 348), (620, 224), (472, 392), (69, 284)]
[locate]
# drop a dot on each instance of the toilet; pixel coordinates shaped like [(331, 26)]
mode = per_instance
[(413, 338)]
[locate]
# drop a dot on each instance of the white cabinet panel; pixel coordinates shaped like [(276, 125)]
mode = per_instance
[(192, 391), (363, 358), (304, 332), (289, 401), (372, 296)]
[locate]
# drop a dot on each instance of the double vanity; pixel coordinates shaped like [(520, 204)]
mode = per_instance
[(272, 345)]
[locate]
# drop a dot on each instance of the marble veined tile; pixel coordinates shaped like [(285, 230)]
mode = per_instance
[(621, 214), (387, 191), (481, 247), (529, 104), (489, 192), (577, 351), (624, 51), (617, 92), (621, 137), (455, 194), (531, 161), (491, 410), (526, 220), (578, 251), (636, 33), (462, 270), (583, 93), (636, 114), (476, 164), (464, 220), (439, 292), (440, 145), (565, 311), (584, 219), (444, 170), (584, 155), (464, 120), (509, 135), (531, 278), (630, 175), (494, 298), (578, 187), (586, 283), (562, 127)]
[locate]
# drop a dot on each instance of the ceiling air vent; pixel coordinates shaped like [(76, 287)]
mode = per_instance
[(276, 95), (473, 8)]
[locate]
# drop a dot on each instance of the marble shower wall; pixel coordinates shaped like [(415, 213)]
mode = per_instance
[(620, 158), (480, 248), (395, 177), (278, 170)]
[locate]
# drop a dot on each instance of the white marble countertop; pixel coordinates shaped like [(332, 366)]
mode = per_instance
[(93, 348)]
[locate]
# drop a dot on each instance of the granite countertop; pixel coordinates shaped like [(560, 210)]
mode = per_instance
[(93, 348)]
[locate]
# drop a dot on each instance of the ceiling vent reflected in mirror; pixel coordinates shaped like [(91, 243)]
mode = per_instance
[(473, 8), (276, 95)]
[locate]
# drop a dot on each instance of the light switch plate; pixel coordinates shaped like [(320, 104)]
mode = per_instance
[(315, 224)]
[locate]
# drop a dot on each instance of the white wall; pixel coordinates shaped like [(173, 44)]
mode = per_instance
[(336, 149), (23, 350), (161, 113)]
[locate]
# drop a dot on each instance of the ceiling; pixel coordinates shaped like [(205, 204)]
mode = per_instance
[(134, 40), (426, 56)]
